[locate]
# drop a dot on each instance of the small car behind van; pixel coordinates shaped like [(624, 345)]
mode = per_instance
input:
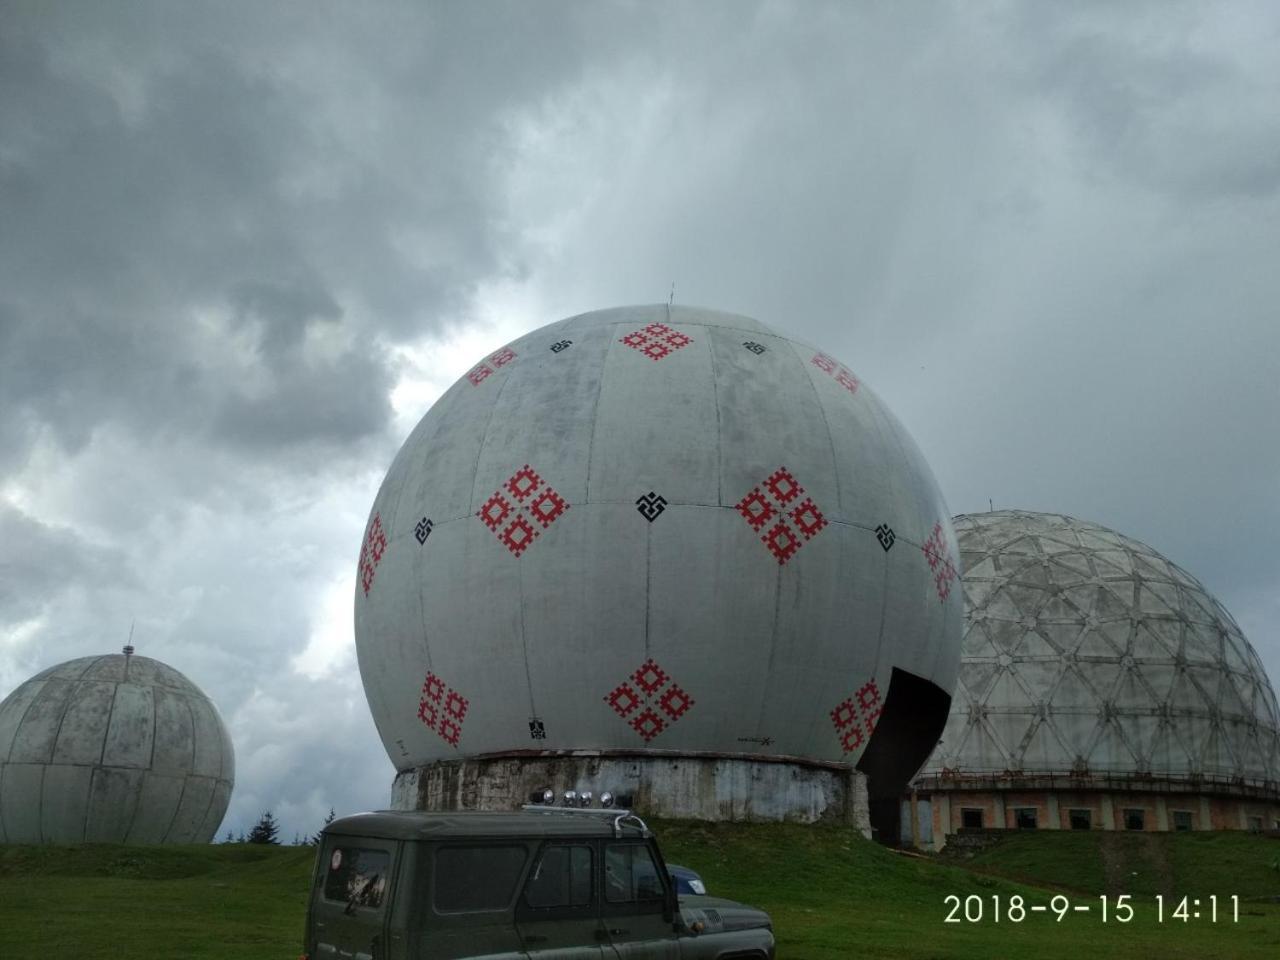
[(568, 884)]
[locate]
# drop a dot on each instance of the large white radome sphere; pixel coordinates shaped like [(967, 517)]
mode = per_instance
[(654, 529), (1087, 651), (112, 749)]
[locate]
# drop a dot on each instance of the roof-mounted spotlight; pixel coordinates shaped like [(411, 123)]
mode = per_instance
[(571, 798), (606, 799), (584, 798)]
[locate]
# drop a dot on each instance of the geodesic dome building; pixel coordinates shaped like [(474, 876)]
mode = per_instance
[(112, 749), (1100, 685), (660, 550)]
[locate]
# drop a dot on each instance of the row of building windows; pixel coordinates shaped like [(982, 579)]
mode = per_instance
[(1135, 818)]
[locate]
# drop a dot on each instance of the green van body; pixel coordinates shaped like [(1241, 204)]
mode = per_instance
[(536, 885)]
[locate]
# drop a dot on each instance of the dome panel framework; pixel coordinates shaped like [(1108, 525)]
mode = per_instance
[(1156, 679)]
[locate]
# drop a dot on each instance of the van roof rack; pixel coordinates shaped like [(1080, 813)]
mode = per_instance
[(621, 818)]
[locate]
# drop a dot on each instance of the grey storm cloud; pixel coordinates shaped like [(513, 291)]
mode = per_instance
[(40, 561), (1044, 234)]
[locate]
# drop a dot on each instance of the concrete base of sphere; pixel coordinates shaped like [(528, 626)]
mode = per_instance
[(675, 786)]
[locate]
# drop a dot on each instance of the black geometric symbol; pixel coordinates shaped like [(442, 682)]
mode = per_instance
[(884, 533), (536, 730), (422, 530), (754, 347), (562, 345), (651, 506)]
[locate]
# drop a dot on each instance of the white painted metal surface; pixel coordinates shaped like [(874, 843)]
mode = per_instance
[(112, 749), (626, 597), (1086, 650)]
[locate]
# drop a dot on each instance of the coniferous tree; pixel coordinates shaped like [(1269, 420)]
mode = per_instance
[(265, 830), (315, 840)]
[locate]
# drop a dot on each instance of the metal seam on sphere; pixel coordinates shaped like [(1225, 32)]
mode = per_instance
[(826, 422), (21, 720), (173, 817), (715, 398)]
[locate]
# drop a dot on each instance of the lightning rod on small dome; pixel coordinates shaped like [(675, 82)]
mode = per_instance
[(128, 647)]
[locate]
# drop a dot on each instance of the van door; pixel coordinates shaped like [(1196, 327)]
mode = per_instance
[(558, 912), (636, 910), (470, 913), (349, 903)]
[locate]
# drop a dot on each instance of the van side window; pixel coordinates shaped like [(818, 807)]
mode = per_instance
[(562, 878), (357, 875), (630, 875), (476, 877)]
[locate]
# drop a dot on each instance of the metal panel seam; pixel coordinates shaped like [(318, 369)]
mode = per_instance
[(715, 395), (8, 757), (595, 411), (102, 754), (524, 646), (826, 422)]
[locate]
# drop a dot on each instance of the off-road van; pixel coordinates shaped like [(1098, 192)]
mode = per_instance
[(541, 884)]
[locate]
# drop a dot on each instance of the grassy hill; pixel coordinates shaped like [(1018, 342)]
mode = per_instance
[(1172, 864), (831, 895)]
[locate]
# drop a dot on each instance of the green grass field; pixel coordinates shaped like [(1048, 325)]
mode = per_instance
[(831, 895)]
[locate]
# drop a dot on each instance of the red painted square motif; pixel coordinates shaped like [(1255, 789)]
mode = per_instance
[(482, 371), (675, 702), (518, 535), (650, 677), (782, 542), (808, 518), (523, 482), (869, 704), (547, 507), (648, 724), (771, 514), (535, 503), (495, 510), (371, 551), (782, 486), (855, 717), (647, 690), (623, 699), (836, 371), (755, 509), (938, 555), (656, 341), (442, 709)]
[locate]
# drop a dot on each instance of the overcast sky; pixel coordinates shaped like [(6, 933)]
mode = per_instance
[(243, 246)]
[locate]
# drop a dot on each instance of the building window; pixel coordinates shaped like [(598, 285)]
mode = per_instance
[(971, 818), (1255, 824), (1081, 819), (1024, 818), (1182, 820), (1135, 819)]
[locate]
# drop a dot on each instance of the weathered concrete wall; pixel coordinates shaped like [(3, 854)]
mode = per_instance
[(113, 749), (700, 788)]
